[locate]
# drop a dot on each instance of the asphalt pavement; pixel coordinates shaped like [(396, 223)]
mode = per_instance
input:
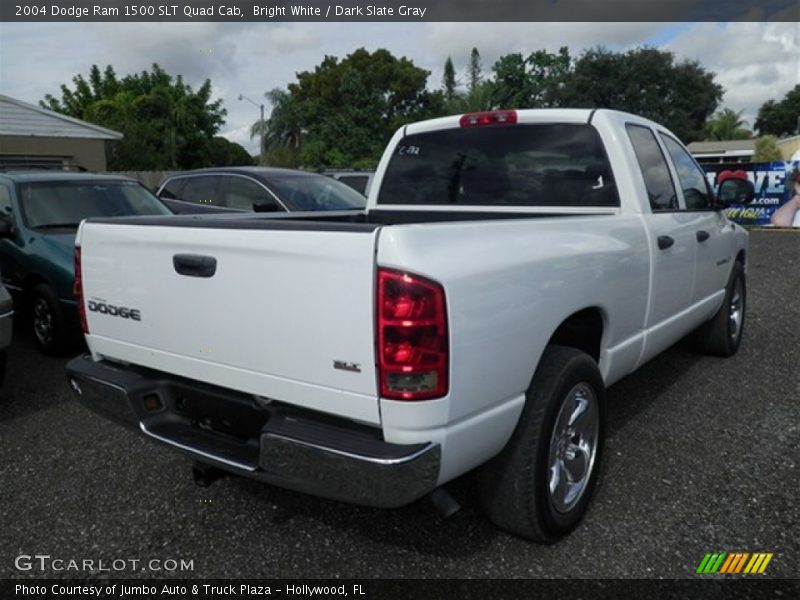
[(702, 455)]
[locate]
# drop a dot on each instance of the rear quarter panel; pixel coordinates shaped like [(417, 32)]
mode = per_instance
[(509, 285)]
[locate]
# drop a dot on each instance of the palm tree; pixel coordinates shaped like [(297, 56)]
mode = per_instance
[(282, 131), (727, 124)]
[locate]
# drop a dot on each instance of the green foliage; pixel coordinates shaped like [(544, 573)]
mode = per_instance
[(225, 153), (449, 83), (767, 149), (727, 124), (343, 113), (781, 118), (474, 70), (166, 124), (647, 82), (537, 81), (476, 99)]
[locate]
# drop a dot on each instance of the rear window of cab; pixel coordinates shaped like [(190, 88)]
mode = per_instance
[(548, 164)]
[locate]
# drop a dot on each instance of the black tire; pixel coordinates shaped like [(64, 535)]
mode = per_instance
[(722, 334), (515, 485), (47, 320), (2, 367)]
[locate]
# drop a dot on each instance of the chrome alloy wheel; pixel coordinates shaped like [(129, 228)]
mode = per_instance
[(736, 310), (573, 447), (43, 322)]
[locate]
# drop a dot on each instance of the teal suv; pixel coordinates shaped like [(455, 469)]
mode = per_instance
[(39, 216)]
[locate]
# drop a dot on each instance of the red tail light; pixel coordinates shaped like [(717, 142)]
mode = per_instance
[(413, 354), (77, 290), (493, 117)]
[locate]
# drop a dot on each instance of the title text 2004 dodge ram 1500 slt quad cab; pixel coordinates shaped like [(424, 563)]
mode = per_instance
[(508, 267)]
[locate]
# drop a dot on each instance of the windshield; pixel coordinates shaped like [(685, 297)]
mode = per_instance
[(552, 164), (316, 192), (55, 204)]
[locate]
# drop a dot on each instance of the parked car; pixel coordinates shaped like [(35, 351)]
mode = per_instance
[(509, 267), (360, 181), (255, 189), (6, 325), (39, 214)]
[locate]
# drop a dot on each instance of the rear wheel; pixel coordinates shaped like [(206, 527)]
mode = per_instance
[(540, 485), (2, 367), (722, 335), (49, 327)]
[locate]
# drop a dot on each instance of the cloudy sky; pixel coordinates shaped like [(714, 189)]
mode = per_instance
[(753, 61)]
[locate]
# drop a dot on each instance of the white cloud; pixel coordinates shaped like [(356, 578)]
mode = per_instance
[(754, 62)]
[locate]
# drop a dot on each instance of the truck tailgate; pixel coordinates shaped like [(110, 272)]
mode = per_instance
[(287, 314)]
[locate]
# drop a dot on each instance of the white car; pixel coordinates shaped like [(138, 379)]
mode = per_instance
[(509, 266)]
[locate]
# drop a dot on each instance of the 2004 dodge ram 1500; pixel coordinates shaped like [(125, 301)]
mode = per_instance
[(509, 266)]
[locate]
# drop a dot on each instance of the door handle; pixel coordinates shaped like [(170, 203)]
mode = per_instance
[(664, 242), (702, 235), (194, 265)]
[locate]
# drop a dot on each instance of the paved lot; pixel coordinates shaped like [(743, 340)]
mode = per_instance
[(702, 455)]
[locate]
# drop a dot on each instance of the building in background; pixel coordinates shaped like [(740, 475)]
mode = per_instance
[(34, 136), (730, 151)]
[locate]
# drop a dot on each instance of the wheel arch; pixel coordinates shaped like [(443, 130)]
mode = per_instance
[(582, 330)]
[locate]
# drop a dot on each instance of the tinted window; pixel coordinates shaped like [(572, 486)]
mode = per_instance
[(517, 165), (172, 189), (66, 204), (246, 194), (5, 201), (691, 177), (660, 189), (202, 189), (357, 182), (315, 192)]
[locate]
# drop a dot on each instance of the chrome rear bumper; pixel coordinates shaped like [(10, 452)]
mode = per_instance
[(283, 445)]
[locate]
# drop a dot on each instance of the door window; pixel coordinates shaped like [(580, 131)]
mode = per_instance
[(657, 180), (202, 189), (172, 189), (246, 194), (6, 208), (691, 177)]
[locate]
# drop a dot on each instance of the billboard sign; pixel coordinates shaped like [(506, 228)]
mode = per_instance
[(773, 187)]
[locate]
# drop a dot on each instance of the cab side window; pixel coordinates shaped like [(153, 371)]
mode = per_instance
[(691, 177), (658, 181)]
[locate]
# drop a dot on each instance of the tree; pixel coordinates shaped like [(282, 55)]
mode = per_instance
[(165, 123), (767, 150), (283, 131), (449, 83), (533, 82), (727, 124), (343, 113), (225, 153), (780, 118), (477, 99), (646, 82), (474, 70)]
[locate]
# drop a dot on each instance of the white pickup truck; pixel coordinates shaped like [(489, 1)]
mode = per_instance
[(509, 266)]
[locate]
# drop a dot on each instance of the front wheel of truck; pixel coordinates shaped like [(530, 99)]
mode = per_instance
[(540, 485), (722, 335)]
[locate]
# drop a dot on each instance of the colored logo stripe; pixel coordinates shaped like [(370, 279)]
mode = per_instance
[(733, 563)]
